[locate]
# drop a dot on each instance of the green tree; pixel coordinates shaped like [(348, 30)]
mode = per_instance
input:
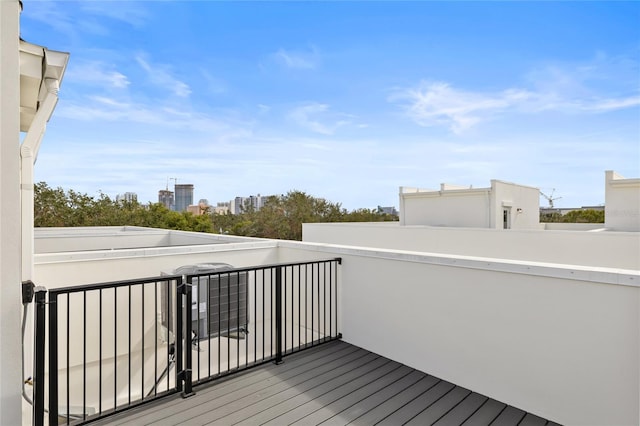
[(281, 217), (584, 216)]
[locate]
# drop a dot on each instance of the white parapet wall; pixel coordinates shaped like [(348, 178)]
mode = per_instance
[(622, 202), (559, 341), (504, 205), (606, 249)]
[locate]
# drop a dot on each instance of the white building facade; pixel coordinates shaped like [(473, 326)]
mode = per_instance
[(504, 205), (622, 202)]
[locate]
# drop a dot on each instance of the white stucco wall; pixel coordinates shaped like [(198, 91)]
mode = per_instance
[(521, 200), (454, 206), (622, 202), (53, 240), (464, 208), (560, 342), (10, 239), (606, 249), (53, 270)]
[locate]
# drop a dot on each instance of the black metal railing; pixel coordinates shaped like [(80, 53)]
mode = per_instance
[(114, 346)]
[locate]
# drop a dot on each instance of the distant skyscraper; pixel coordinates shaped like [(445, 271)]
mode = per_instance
[(165, 197), (184, 196), (241, 204), (127, 196)]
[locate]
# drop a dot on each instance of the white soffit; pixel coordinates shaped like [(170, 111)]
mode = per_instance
[(36, 64)]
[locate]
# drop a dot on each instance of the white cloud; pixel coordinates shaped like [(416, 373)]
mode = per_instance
[(603, 84), (298, 59), (131, 13), (604, 105), (97, 108), (76, 18), (96, 72), (263, 109), (438, 103), (160, 75), (318, 118)]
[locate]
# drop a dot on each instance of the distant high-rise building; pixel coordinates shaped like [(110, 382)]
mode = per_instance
[(165, 197), (241, 204), (184, 196), (388, 210), (127, 196)]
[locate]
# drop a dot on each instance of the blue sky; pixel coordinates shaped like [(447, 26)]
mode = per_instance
[(343, 100)]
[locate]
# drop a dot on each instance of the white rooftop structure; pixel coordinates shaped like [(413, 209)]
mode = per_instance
[(622, 202), (503, 205)]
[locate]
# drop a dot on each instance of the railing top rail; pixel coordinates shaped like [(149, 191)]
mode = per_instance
[(262, 267), (113, 284), (124, 283)]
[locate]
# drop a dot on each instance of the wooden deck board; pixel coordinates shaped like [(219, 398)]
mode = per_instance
[(331, 384), (462, 411), (441, 407), (393, 404), (486, 413), (510, 416)]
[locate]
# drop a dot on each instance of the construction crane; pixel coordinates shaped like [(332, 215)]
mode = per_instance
[(175, 180), (550, 198)]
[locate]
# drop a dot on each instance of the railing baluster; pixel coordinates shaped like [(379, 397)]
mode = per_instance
[(246, 317), (263, 308), (228, 320), (330, 299), (237, 321), (299, 306), (53, 358), (68, 351), (84, 355), (38, 349), (179, 344), (129, 352), (187, 377), (155, 340), (115, 348), (197, 332), (209, 314), (324, 299), (278, 295), (219, 320), (100, 351), (142, 357)]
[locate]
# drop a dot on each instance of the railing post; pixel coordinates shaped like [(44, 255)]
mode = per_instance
[(278, 315), (186, 372), (39, 358), (179, 345), (53, 359)]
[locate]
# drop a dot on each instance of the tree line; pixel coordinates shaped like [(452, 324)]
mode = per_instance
[(281, 217), (574, 216)]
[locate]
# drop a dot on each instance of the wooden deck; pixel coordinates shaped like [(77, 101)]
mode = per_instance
[(332, 384)]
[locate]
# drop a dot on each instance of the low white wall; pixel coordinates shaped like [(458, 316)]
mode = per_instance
[(67, 269), (606, 249), (56, 240), (559, 226), (532, 336), (622, 202), (468, 208)]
